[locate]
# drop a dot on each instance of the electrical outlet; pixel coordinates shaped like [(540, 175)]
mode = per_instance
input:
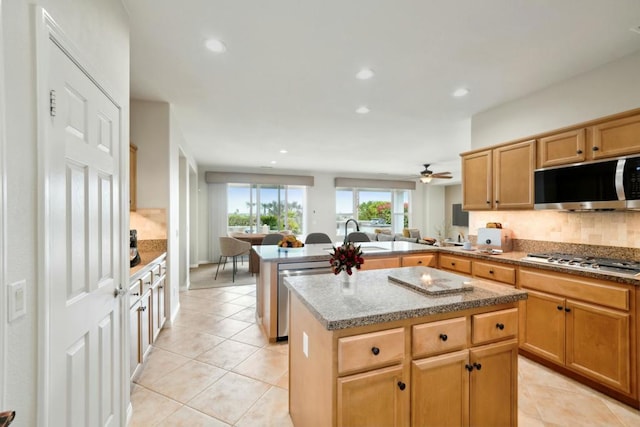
[(305, 344), (17, 300)]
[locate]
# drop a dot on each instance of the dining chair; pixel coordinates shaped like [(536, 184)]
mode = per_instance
[(358, 236), (272, 239), (318, 238), (231, 247)]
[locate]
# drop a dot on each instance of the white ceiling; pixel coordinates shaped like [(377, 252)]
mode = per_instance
[(287, 80)]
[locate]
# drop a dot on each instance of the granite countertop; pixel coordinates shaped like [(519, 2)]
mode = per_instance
[(376, 299), (147, 261), (321, 251)]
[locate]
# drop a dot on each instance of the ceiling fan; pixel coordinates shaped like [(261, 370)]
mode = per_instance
[(427, 175)]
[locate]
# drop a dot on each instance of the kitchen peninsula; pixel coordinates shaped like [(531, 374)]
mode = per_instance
[(277, 263), (378, 356)]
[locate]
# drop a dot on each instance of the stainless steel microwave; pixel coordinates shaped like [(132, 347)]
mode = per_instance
[(602, 185)]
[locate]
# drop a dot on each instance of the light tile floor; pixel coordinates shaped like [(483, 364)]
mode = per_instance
[(215, 368)]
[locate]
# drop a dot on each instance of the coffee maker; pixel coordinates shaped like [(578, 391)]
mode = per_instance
[(134, 256)]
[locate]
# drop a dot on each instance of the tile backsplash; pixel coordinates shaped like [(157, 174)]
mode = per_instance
[(615, 228), (150, 223)]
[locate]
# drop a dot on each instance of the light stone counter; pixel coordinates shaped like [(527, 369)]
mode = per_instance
[(377, 299)]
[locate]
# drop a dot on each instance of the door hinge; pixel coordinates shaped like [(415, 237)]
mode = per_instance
[(52, 103)]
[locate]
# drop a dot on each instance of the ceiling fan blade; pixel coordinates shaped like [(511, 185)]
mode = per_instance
[(442, 175), (436, 176)]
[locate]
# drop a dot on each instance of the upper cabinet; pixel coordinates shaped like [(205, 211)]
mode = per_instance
[(616, 138), (501, 178), (133, 159), (562, 148)]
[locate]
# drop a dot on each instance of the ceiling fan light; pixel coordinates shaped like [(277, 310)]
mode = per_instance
[(425, 179)]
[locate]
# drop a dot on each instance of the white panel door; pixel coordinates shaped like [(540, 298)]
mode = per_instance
[(82, 228)]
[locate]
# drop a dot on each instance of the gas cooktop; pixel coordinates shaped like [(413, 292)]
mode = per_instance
[(620, 266)]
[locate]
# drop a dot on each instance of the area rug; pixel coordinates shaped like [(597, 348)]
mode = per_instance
[(202, 277)]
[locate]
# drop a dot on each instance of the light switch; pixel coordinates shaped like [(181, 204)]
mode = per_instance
[(17, 300), (305, 344)]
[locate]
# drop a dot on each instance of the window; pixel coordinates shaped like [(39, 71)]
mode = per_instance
[(280, 207), (372, 208)]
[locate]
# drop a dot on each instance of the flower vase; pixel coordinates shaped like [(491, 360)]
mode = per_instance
[(349, 282)]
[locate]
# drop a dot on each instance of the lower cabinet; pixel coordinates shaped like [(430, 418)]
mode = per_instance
[(378, 397), (140, 328), (582, 325), (378, 263)]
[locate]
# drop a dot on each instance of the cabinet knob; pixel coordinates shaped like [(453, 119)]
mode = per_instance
[(500, 326), (567, 309), (419, 262), (490, 271), (375, 351), (497, 201), (579, 152), (468, 367), (443, 337), (453, 263), (559, 307), (135, 294), (595, 148), (401, 385), (488, 202), (478, 366)]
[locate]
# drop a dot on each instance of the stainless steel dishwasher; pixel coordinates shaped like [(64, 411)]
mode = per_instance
[(294, 269)]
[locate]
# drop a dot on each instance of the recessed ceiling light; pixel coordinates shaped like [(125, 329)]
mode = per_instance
[(216, 46), (362, 110), (284, 151), (365, 74), (273, 162), (460, 92)]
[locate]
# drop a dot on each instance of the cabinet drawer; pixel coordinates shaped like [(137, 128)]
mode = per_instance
[(135, 289), (454, 263), (145, 283), (369, 351), (377, 263), (494, 326), (419, 260), (500, 273), (156, 271), (438, 337), (588, 290)]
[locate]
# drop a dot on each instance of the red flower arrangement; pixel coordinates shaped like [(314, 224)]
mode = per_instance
[(346, 258)]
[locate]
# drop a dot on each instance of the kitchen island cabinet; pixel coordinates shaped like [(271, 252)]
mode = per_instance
[(366, 363)]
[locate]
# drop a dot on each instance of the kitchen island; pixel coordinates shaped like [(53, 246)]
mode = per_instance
[(388, 355)]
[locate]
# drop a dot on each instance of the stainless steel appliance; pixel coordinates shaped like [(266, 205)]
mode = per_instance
[(294, 269), (625, 267), (495, 239), (602, 185)]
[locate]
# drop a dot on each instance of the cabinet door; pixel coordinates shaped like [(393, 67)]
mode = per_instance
[(561, 149), (135, 357), (145, 325), (542, 325), (493, 387), (440, 390), (374, 398), (161, 316), (598, 344), (616, 138), (513, 175), (477, 181)]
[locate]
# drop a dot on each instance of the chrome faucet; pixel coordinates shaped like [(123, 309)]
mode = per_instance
[(345, 227)]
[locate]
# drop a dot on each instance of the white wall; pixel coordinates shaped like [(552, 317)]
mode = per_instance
[(610, 89), (99, 29)]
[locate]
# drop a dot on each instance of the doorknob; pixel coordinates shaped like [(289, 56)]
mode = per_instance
[(118, 292)]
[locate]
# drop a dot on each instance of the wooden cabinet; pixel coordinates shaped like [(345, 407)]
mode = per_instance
[(133, 176), (426, 260), (616, 138), (501, 178), (563, 148), (584, 325), (135, 357), (378, 263), (455, 263), (494, 271), (157, 299)]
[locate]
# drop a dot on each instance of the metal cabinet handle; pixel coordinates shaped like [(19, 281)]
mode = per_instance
[(401, 385), (579, 152), (567, 309), (560, 307), (468, 367), (375, 351), (444, 337), (500, 326), (595, 148), (478, 366)]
